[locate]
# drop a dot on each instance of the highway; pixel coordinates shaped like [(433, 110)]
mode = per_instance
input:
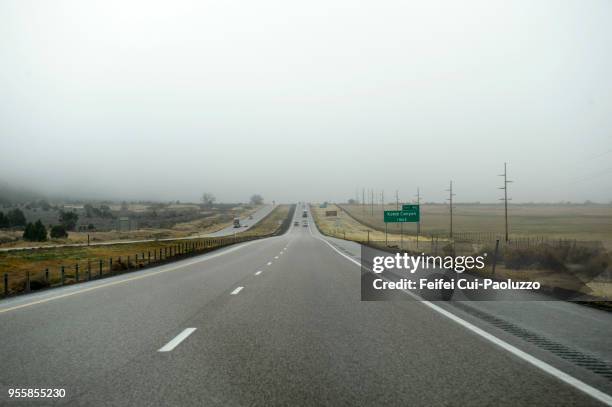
[(246, 222), (229, 230), (279, 321)]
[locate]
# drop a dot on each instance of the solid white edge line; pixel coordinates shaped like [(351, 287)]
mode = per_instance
[(177, 340), (128, 279), (269, 263), (258, 272), (237, 290), (564, 377)]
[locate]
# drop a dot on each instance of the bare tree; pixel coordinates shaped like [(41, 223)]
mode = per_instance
[(208, 199), (256, 199)]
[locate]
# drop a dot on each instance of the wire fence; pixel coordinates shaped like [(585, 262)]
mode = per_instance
[(96, 268), (569, 262)]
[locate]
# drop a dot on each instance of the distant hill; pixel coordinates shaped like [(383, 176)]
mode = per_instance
[(12, 195)]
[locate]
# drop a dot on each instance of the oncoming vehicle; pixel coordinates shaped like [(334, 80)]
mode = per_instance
[(236, 222), (296, 223)]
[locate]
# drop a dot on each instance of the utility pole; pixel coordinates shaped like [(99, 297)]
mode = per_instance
[(363, 202), (401, 224), (450, 198), (505, 198), (382, 199), (418, 197), (372, 201)]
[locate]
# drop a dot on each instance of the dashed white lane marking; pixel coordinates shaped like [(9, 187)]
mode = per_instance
[(568, 379), (269, 263), (177, 339), (126, 280), (276, 257), (258, 273), (237, 290)]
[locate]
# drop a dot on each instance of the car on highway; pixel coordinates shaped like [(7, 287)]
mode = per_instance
[(236, 222), (296, 223), (305, 223)]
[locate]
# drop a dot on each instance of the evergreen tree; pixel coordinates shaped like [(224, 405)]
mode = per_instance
[(40, 231), (4, 222), (16, 218), (35, 232), (58, 232), (28, 233), (68, 219)]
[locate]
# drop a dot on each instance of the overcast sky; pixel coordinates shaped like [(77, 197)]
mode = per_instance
[(307, 100)]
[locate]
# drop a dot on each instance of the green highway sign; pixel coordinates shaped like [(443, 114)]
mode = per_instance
[(402, 216), (414, 211)]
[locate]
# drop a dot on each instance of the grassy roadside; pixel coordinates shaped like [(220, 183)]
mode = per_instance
[(514, 264), (271, 223), (347, 227), (206, 224), (553, 221), (109, 259)]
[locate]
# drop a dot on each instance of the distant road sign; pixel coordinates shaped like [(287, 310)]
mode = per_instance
[(414, 210), (401, 216)]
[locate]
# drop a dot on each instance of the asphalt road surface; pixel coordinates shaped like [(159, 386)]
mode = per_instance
[(278, 321), (246, 222)]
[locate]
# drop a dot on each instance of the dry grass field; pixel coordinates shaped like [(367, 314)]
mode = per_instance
[(35, 261), (346, 227), (209, 223), (270, 223), (556, 223), (580, 222)]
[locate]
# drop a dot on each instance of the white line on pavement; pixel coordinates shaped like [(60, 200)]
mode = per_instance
[(177, 339), (269, 263), (258, 273), (237, 290), (572, 381), (276, 257), (128, 279)]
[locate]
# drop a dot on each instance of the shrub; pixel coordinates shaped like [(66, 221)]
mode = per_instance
[(596, 265), (35, 232), (518, 258), (68, 219), (551, 260)]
